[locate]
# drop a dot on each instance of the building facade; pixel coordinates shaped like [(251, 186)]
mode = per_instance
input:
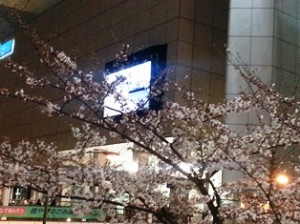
[(263, 34), (94, 31)]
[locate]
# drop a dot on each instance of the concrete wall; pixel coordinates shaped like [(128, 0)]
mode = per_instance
[(201, 48), (264, 36), (286, 43), (250, 39)]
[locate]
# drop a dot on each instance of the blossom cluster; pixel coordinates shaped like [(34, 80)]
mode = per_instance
[(186, 145)]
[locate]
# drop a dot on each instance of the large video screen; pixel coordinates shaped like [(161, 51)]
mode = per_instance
[(134, 89)]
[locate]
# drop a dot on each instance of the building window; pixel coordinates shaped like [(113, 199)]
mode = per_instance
[(21, 195)]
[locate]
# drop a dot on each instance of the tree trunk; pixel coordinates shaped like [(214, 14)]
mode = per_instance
[(45, 210)]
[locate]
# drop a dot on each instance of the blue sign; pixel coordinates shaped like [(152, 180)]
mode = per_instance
[(7, 48)]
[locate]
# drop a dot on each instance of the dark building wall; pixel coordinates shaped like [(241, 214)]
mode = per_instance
[(92, 31)]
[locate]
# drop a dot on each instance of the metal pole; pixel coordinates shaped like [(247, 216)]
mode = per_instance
[(45, 210)]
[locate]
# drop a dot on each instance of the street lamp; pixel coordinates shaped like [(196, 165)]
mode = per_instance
[(282, 179)]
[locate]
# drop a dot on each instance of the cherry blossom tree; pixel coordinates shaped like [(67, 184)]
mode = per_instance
[(187, 144)]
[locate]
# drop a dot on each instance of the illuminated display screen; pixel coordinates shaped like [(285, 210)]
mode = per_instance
[(7, 49), (134, 89), (137, 75)]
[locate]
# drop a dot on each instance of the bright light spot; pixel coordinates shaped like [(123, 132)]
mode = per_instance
[(113, 158), (131, 167), (186, 167), (282, 179), (243, 205), (69, 220), (266, 207)]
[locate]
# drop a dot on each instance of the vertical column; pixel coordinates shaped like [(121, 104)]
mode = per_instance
[(250, 42)]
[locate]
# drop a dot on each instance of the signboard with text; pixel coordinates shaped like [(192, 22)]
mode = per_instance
[(7, 48), (53, 212)]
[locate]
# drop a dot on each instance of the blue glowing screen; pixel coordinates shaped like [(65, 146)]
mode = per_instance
[(7, 48)]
